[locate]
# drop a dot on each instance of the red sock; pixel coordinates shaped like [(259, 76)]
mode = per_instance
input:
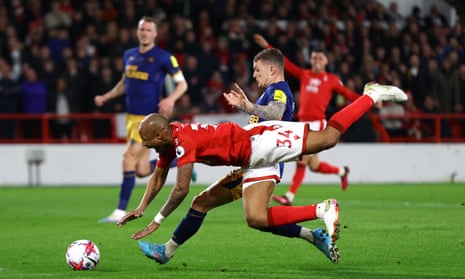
[(344, 118), (284, 215), (327, 168), (298, 177)]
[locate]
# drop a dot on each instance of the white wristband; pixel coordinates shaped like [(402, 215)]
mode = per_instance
[(159, 218)]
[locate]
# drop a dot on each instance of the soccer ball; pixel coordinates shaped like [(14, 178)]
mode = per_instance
[(82, 255)]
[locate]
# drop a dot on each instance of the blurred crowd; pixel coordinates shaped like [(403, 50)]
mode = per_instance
[(55, 56)]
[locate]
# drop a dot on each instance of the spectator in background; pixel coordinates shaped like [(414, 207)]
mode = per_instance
[(461, 77), (338, 26), (212, 95), (60, 102), (185, 109), (431, 106), (208, 62), (35, 22), (56, 17), (242, 69), (435, 18), (414, 127), (58, 40), (191, 70), (394, 15), (393, 126), (34, 101), (124, 42), (225, 61), (191, 45), (105, 82), (48, 74), (108, 13), (67, 7), (76, 82), (416, 80), (453, 47), (10, 93), (447, 87)]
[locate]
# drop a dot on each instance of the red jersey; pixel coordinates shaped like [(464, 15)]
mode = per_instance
[(223, 144), (316, 91)]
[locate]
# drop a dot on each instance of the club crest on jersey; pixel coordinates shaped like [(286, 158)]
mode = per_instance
[(151, 59), (180, 151)]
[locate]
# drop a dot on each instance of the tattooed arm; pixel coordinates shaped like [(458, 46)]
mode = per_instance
[(273, 111)]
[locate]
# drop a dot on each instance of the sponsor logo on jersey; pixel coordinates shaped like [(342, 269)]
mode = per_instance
[(132, 72), (180, 151)]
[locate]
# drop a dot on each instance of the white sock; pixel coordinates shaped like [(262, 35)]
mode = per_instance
[(321, 209), (306, 234), (374, 98), (119, 213), (342, 171), (290, 196), (171, 247)]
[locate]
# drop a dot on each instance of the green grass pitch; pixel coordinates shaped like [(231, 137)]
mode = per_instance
[(387, 231)]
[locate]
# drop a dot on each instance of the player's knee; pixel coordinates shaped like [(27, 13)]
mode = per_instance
[(256, 222), (142, 174), (328, 142), (313, 167), (201, 202), (333, 138), (129, 158)]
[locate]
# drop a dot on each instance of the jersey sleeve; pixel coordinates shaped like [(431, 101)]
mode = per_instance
[(173, 65), (344, 91), (292, 68), (186, 152), (280, 96)]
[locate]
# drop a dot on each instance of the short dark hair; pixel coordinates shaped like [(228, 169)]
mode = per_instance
[(149, 19), (320, 50), (272, 55)]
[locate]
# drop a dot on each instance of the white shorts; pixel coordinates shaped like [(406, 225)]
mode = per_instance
[(285, 142), (251, 176), (240, 178)]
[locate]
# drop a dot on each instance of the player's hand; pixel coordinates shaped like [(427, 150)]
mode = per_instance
[(237, 98), (166, 107), (260, 40), (153, 226), (134, 214), (99, 100)]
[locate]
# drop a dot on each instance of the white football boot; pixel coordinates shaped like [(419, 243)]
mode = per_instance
[(379, 92)]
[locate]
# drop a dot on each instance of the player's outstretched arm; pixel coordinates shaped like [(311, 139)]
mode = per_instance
[(179, 191), (131, 215), (153, 226), (260, 40), (156, 182), (177, 195)]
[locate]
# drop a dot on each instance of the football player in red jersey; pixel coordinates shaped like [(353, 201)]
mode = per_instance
[(255, 146), (276, 102), (316, 90), (142, 83)]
